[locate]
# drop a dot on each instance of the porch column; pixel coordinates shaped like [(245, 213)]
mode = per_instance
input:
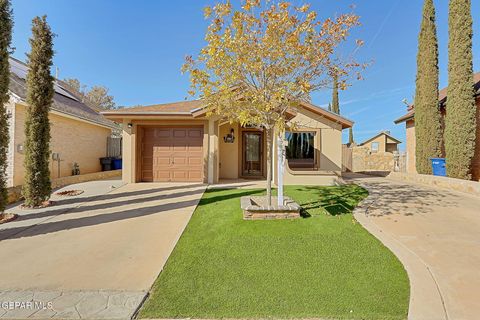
[(212, 151), (129, 147)]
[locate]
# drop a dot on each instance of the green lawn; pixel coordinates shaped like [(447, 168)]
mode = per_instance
[(322, 266)]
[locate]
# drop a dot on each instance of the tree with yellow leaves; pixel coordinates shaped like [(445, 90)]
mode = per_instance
[(265, 58)]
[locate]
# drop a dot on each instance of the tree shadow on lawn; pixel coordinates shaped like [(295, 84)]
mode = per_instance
[(333, 201)]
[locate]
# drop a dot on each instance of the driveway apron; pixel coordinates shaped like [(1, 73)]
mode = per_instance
[(435, 233), (95, 255)]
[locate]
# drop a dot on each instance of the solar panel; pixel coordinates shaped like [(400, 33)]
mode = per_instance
[(21, 70)]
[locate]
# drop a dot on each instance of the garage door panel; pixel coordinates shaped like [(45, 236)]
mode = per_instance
[(195, 175), (163, 133), (195, 162), (162, 176), (179, 133), (195, 133), (161, 162), (172, 154)]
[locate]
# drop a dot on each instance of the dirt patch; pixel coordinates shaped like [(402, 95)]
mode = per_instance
[(69, 193), (7, 217)]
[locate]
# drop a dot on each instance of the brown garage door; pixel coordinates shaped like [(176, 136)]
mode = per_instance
[(172, 154)]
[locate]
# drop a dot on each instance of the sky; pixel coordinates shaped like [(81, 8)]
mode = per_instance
[(136, 49)]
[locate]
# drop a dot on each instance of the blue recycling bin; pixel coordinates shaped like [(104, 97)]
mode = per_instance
[(117, 164), (439, 167)]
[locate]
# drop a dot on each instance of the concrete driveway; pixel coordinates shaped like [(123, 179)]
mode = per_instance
[(97, 254), (435, 233)]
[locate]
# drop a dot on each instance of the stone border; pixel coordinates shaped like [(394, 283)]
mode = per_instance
[(465, 186), (291, 210), (15, 193)]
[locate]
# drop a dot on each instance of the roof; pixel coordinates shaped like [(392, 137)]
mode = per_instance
[(196, 109), (64, 101), (181, 107), (378, 135), (442, 98)]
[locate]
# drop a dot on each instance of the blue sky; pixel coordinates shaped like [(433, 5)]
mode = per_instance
[(136, 49)]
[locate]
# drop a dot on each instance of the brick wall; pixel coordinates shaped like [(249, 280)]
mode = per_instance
[(11, 145), (15, 193), (76, 141), (410, 125)]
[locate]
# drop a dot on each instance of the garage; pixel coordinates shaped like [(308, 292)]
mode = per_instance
[(172, 154)]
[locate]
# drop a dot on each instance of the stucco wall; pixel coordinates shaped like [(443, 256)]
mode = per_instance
[(328, 149), (328, 139), (411, 142), (229, 152), (382, 147), (75, 140)]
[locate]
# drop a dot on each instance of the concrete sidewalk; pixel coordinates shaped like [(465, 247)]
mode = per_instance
[(95, 255), (435, 234)]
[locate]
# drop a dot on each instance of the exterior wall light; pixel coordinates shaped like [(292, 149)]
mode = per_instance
[(229, 138)]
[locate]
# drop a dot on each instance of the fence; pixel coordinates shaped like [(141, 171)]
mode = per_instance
[(346, 159), (401, 166), (114, 147)]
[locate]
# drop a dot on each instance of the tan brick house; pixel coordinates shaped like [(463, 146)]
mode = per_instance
[(409, 120), (79, 133), (177, 142)]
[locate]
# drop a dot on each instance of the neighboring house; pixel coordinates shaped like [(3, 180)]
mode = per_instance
[(78, 133), (379, 153), (177, 142), (382, 142), (409, 120)]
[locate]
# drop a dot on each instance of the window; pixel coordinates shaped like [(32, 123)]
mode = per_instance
[(300, 149), (375, 146)]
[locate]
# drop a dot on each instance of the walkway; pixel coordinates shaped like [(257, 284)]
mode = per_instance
[(435, 233)]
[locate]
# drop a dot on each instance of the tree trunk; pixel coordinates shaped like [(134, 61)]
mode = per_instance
[(269, 165), (280, 167)]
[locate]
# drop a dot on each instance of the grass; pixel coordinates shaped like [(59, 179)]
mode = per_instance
[(322, 266)]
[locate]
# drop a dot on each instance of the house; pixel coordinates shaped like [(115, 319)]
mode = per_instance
[(78, 133), (409, 120), (382, 142), (177, 142)]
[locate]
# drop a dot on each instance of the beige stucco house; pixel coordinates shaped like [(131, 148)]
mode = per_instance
[(78, 133), (177, 142), (409, 120), (382, 142)]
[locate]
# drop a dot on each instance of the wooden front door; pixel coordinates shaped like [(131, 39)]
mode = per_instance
[(172, 154), (252, 154)]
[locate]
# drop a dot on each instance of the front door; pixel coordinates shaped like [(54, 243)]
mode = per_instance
[(252, 155)]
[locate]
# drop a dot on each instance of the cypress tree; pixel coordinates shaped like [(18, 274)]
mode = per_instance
[(6, 25), (460, 122), (428, 128), (335, 101), (40, 91), (330, 107), (351, 141)]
